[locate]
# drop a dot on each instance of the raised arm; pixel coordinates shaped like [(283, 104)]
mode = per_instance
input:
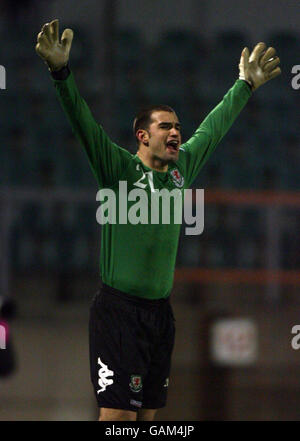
[(107, 160), (254, 71)]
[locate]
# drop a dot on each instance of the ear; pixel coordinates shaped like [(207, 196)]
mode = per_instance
[(143, 136)]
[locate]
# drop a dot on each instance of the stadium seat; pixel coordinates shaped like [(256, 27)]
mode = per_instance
[(233, 40), (290, 147), (178, 50), (82, 49), (287, 44), (129, 51), (228, 47)]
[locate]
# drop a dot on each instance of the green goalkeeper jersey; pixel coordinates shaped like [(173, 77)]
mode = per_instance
[(139, 259)]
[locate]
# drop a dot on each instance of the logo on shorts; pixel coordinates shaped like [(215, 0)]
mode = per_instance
[(135, 383), (166, 383), (103, 373)]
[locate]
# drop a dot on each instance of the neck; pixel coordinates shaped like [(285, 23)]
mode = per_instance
[(152, 162)]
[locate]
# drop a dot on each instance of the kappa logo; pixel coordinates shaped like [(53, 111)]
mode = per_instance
[(135, 383), (103, 373), (177, 178)]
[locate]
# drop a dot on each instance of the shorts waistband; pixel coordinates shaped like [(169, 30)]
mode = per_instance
[(133, 300)]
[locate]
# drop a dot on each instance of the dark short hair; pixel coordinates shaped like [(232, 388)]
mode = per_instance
[(143, 118)]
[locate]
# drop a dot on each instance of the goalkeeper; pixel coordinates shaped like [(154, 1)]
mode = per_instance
[(131, 321)]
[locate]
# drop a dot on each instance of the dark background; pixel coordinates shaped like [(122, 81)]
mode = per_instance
[(246, 263)]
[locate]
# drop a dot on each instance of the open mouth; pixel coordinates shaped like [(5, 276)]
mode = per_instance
[(173, 145)]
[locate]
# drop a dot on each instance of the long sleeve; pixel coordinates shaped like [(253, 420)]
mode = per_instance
[(107, 160), (200, 146)]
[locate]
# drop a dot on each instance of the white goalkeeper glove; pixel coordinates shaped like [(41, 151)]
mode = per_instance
[(259, 67), (54, 53)]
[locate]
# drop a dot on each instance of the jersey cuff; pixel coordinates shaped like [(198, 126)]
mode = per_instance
[(61, 74), (249, 85)]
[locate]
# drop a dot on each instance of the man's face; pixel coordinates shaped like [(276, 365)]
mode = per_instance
[(164, 136)]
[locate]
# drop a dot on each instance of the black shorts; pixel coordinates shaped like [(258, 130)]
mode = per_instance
[(131, 343)]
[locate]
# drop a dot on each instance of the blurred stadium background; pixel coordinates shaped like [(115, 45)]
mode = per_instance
[(244, 268)]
